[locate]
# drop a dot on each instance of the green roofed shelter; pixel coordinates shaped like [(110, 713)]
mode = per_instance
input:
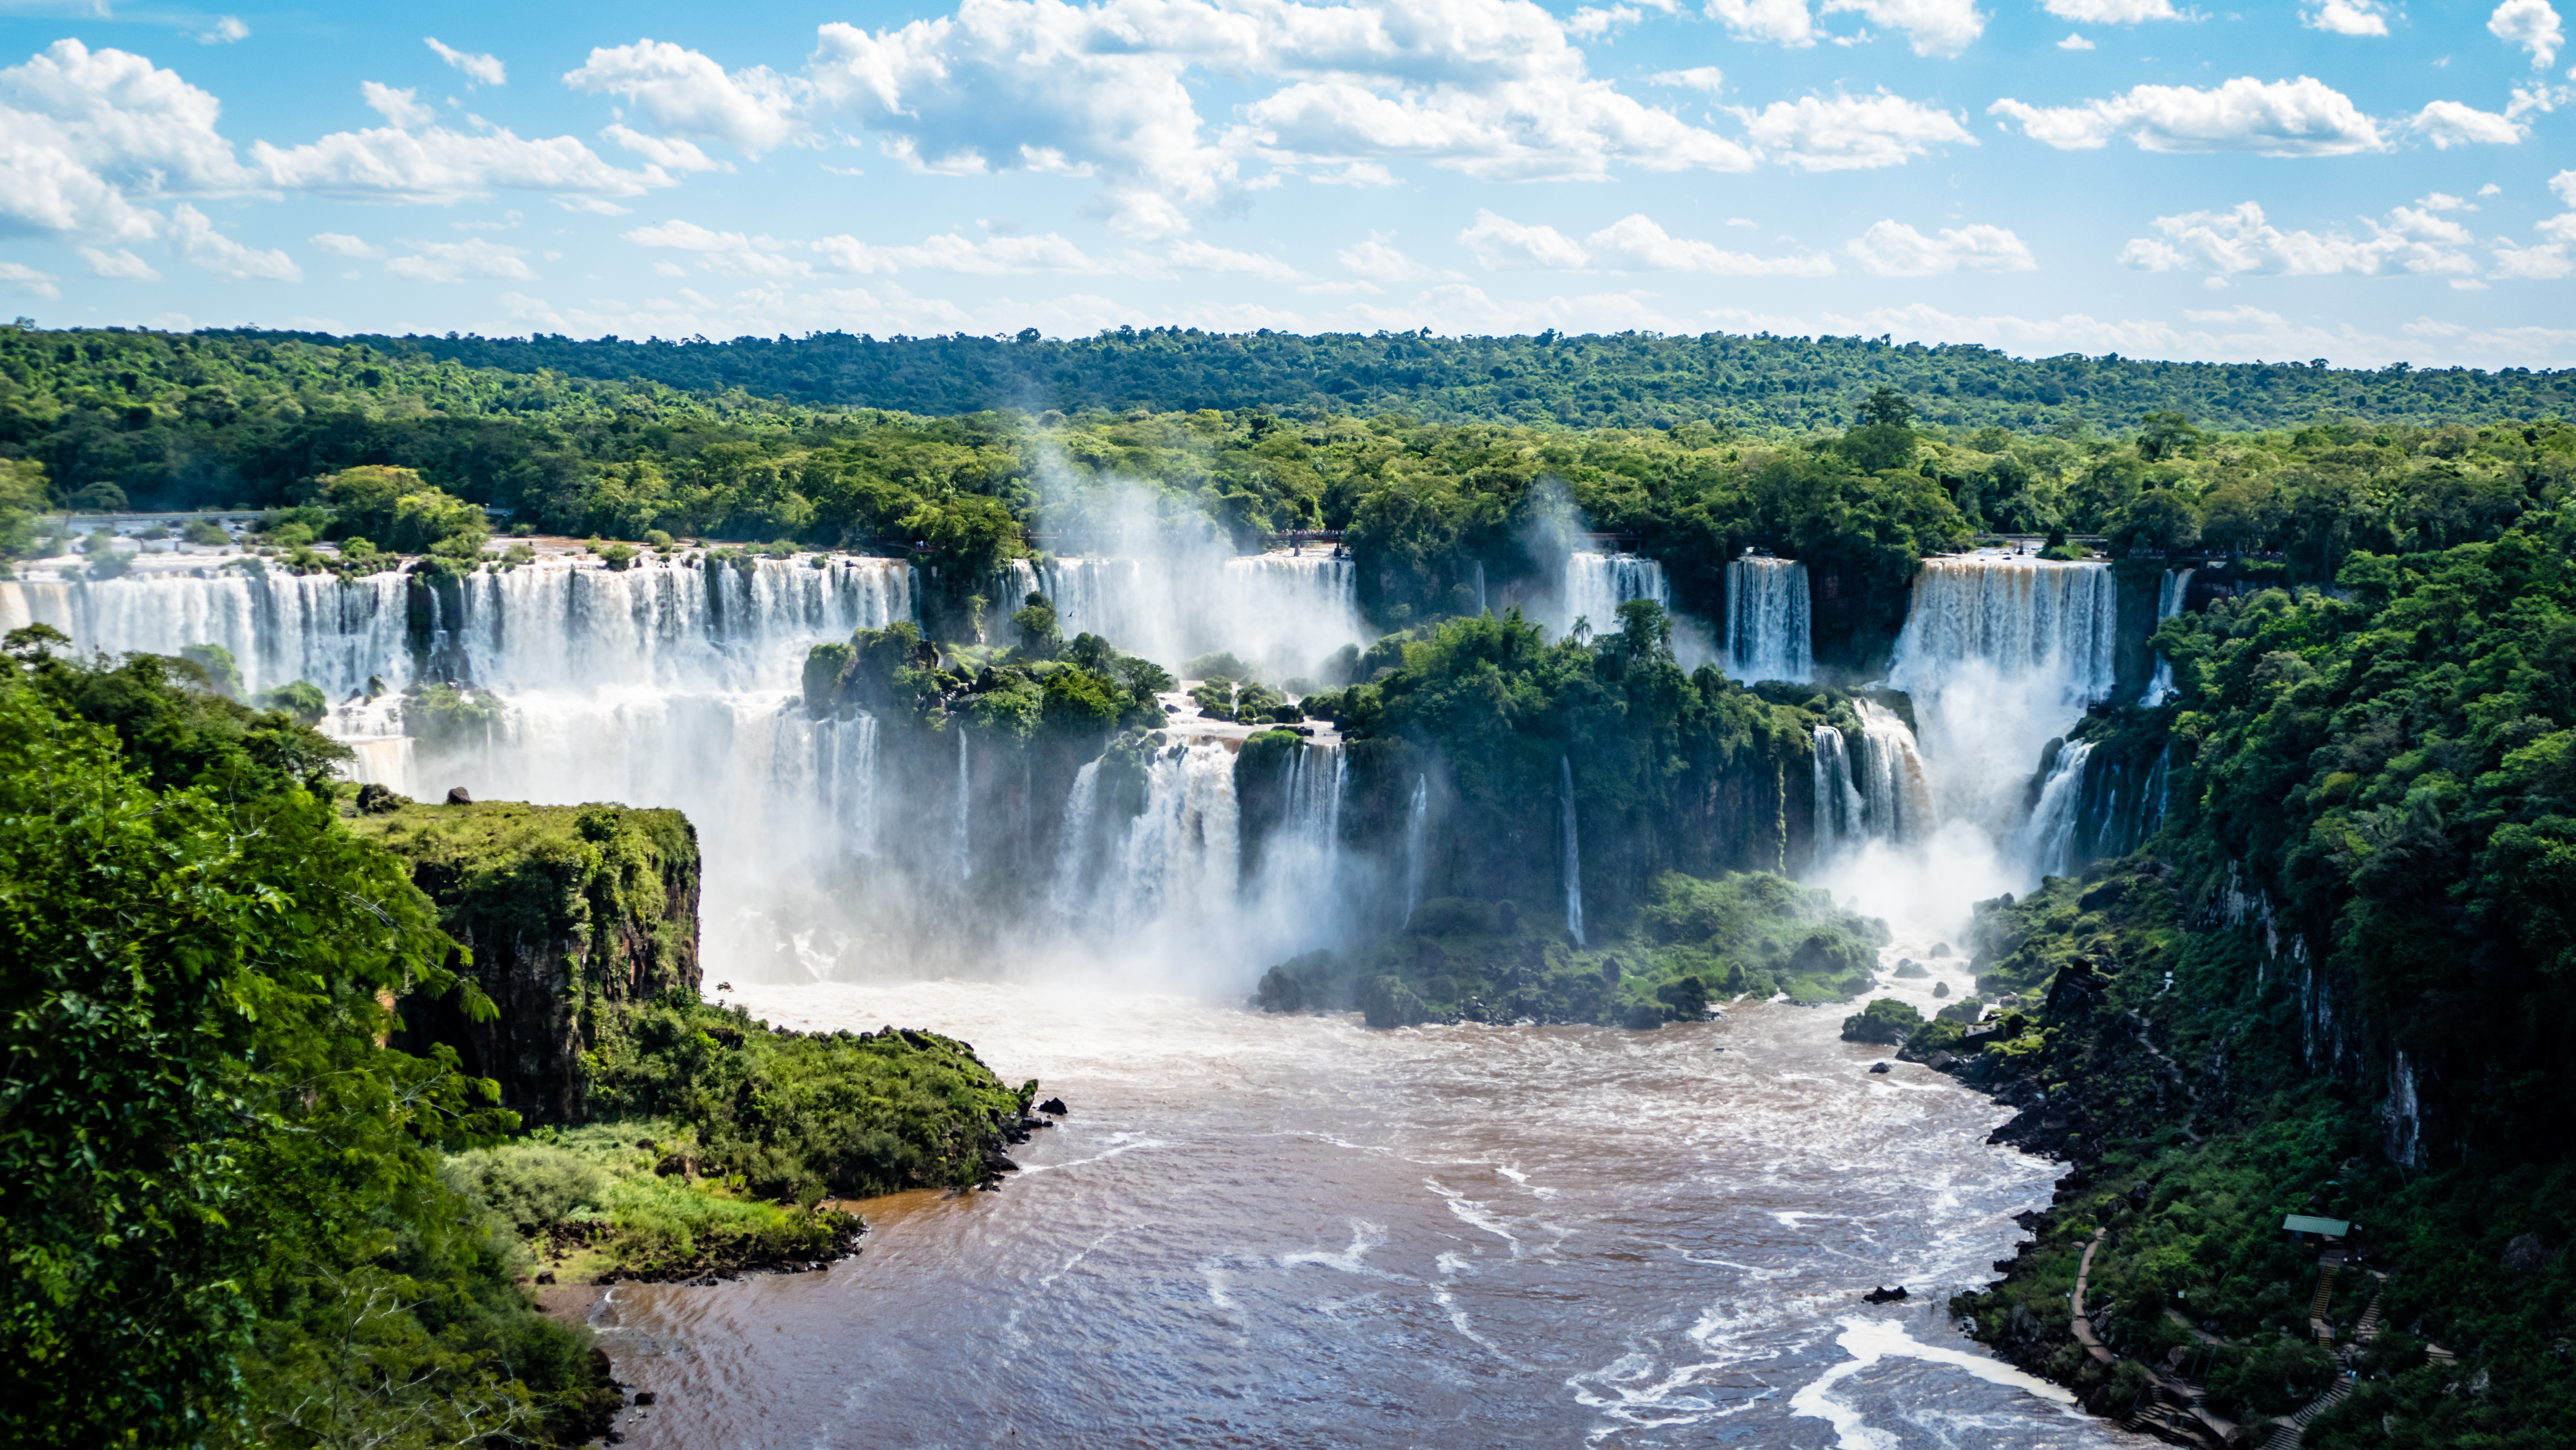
[(2333, 1228)]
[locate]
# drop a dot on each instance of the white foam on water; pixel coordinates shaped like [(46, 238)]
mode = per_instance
[(1869, 1341)]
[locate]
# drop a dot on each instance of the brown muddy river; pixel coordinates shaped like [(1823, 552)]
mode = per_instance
[(1293, 1231)]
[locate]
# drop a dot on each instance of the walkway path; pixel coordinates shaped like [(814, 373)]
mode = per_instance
[(2084, 1322)]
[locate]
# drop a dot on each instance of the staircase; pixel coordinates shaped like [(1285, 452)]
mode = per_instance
[(2327, 1266), (2368, 1329), (2285, 1434)]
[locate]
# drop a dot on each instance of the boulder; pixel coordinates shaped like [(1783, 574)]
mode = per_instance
[(1054, 1107), (1880, 1067), (1896, 1295), (2525, 1256), (458, 796)]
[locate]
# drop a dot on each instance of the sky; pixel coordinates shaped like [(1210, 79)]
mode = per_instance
[(2364, 181)]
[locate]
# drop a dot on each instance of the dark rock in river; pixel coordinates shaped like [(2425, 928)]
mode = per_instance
[(1055, 1106), (1879, 1067), (1886, 1296)]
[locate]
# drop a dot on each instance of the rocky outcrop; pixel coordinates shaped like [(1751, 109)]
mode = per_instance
[(561, 913)]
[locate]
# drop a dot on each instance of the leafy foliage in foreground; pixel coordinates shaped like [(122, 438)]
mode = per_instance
[(224, 1218)]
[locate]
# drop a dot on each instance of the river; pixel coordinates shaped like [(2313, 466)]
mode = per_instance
[(1290, 1230)]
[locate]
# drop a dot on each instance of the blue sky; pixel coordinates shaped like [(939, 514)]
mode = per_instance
[(2361, 180)]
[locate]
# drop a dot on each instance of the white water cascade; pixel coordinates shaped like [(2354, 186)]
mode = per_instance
[(659, 685), (1168, 889), (1286, 613), (1767, 627), (1893, 788), (965, 832), (2047, 840), (2000, 655), (280, 627), (1597, 584), (2171, 592), (1839, 812), (1417, 830), (1573, 853)]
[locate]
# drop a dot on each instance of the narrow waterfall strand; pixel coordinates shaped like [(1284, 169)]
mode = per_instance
[(1768, 631), (1073, 847), (1839, 812), (1573, 852), (965, 815), (2170, 594), (2048, 841), (1417, 824)]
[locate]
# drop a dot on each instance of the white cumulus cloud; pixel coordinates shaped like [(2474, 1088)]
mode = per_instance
[(88, 139), (1783, 22), (1376, 259), (224, 31), (754, 110), (1935, 27), (2530, 24), (461, 261), (2347, 17), (2302, 117), (2451, 123), (2241, 240), (1841, 133), (2113, 12), (402, 108), (437, 165), (1491, 88), (1698, 78), (1201, 257), (1636, 244), (203, 246), (27, 279), (341, 244), (2075, 41), (1892, 249), (1503, 244), (480, 70), (119, 264)]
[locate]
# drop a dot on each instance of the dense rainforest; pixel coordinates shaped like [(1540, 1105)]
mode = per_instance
[(1625, 380)]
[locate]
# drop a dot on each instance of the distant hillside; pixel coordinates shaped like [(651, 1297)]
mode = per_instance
[(1625, 380)]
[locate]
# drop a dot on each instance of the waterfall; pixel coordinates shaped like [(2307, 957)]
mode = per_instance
[(1174, 882), (1840, 813), (1480, 589), (1073, 847), (1597, 584), (845, 756), (1286, 613), (965, 813), (2170, 594), (280, 627), (2000, 654), (1417, 826), (1767, 633), (1894, 790), (2047, 844), (1573, 854)]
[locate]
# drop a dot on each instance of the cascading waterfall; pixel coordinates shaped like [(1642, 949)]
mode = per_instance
[(279, 627), (2047, 842), (1767, 629), (1417, 829), (1841, 816), (1480, 588), (1573, 852), (1999, 656), (965, 814), (1065, 892), (658, 685), (1285, 612), (1173, 883), (1597, 584), (2170, 594), (1894, 790)]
